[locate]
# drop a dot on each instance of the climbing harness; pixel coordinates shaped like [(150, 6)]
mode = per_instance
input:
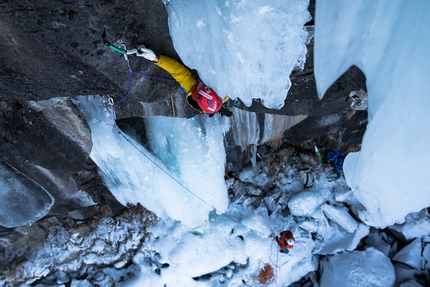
[(122, 49)]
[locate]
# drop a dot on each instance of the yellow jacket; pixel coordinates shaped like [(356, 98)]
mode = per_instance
[(182, 75)]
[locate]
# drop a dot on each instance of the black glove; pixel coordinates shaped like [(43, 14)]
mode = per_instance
[(225, 112)]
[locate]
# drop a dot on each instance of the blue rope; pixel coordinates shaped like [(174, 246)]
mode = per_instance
[(131, 73)]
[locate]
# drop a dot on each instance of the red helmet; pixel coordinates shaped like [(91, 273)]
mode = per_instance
[(208, 100)]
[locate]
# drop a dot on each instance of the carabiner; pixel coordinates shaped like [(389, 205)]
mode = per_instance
[(124, 47), (110, 101)]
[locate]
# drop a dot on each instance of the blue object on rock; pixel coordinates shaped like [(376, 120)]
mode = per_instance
[(336, 159)]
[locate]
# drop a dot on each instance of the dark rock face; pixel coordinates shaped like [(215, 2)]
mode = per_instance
[(56, 49), (331, 123), (53, 50), (25, 133)]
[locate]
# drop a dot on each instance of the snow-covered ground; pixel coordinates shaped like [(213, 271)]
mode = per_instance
[(236, 248)]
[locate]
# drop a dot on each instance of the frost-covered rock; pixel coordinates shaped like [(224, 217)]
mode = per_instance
[(410, 254), (331, 238), (382, 242), (358, 268), (304, 203), (416, 225), (410, 283), (83, 252), (81, 283), (403, 273), (21, 200), (341, 216)]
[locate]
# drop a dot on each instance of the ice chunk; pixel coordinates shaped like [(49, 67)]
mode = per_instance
[(304, 203), (249, 176), (21, 200), (410, 254), (223, 46), (385, 40), (358, 268), (341, 216), (310, 226), (331, 238), (81, 283), (403, 273), (416, 225), (410, 283), (426, 255), (381, 241), (183, 176)]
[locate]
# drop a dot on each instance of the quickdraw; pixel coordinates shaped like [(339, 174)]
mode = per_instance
[(122, 49)]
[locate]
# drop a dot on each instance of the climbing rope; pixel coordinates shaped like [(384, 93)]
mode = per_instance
[(118, 130), (130, 74), (226, 175), (122, 49)]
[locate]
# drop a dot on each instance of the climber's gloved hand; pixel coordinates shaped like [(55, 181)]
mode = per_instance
[(146, 53), (224, 112)]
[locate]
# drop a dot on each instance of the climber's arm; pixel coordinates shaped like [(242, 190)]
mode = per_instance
[(178, 71)]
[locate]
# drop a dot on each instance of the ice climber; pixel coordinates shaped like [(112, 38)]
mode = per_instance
[(199, 96), (286, 241)]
